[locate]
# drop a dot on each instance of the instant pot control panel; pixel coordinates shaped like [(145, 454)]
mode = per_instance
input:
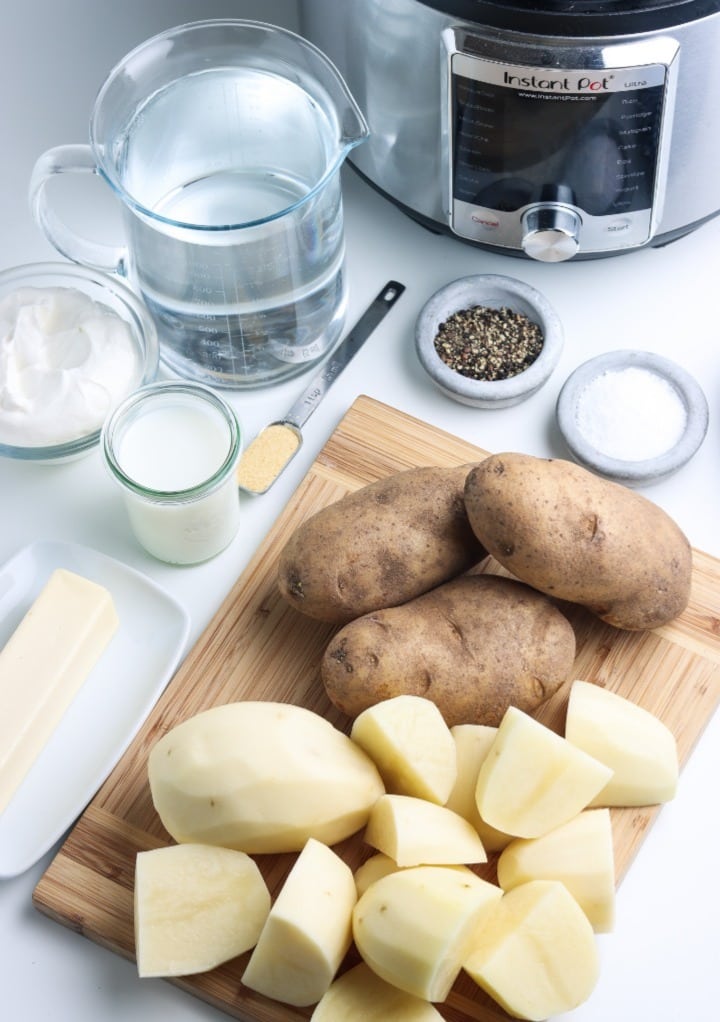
[(559, 152)]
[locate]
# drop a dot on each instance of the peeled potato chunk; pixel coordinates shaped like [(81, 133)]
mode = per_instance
[(635, 744), (361, 996), (380, 865), (414, 832), (411, 745), (377, 866), (579, 854), (533, 780), (308, 931), (535, 954), (414, 928), (262, 777), (472, 744), (196, 906)]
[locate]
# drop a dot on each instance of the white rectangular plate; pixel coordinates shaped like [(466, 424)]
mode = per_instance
[(110, 707)]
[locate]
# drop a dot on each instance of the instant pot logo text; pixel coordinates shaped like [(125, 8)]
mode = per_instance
[(583, 83)]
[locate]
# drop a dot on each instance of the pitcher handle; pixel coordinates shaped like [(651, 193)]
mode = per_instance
[(70, 159)]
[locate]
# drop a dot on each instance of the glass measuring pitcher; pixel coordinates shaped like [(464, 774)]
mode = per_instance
[(224, 141)]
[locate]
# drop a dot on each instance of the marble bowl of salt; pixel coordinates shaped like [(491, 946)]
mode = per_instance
[(632, 416)]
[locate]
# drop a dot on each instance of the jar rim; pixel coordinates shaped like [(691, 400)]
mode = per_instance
[(153, 392)]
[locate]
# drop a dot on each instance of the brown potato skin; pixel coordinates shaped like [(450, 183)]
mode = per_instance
[(474, 645), (581, 538), (382, 545)]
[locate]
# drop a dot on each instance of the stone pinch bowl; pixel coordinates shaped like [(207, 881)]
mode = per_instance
[(492, 291), (633, 472)]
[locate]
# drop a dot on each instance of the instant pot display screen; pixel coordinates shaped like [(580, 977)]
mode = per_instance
[(587, 138)]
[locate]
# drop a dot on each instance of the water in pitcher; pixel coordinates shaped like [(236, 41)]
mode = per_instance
[(241, 261)]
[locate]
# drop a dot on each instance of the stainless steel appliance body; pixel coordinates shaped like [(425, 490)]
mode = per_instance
[(553, 130)]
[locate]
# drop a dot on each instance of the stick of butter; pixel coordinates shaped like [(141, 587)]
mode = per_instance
[(44, 664)]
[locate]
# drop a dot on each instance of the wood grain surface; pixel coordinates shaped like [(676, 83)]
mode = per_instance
[(257, 647)]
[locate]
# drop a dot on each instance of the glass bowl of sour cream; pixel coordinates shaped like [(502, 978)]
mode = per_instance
[(74, 343)]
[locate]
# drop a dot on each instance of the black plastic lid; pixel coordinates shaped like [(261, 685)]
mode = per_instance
[(578, 17)]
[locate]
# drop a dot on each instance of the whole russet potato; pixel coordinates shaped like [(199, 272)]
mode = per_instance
[(581, 538), (380, 546), (474, 646)]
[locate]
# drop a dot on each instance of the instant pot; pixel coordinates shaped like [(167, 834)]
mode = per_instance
[(554, 130)]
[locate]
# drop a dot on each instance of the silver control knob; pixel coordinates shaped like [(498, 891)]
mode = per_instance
[(551, 232)]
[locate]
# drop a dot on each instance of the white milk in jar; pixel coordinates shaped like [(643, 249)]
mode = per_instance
[(173, 448)]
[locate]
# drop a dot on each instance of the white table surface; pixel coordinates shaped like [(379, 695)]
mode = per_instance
[(661, 963)]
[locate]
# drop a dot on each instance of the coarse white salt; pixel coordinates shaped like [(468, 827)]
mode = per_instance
[(631, 414)]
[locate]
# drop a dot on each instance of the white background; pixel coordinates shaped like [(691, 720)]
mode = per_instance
[(661, 963)]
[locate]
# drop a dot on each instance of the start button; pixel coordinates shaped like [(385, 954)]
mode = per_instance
[(619, 225)]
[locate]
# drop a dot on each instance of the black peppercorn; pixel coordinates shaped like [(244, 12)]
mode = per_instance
[(485, 343)]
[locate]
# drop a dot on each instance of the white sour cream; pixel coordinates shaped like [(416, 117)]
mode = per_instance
[(65, 362)]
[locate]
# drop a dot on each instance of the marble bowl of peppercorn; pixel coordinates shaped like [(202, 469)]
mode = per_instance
[(488, 340)]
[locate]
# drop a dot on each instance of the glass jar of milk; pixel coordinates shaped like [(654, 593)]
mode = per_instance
[(173, 448)]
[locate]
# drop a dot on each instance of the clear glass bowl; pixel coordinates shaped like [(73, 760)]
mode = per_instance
[(111, 292)]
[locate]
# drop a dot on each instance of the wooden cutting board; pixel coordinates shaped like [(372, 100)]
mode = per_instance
[(257, 647)]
